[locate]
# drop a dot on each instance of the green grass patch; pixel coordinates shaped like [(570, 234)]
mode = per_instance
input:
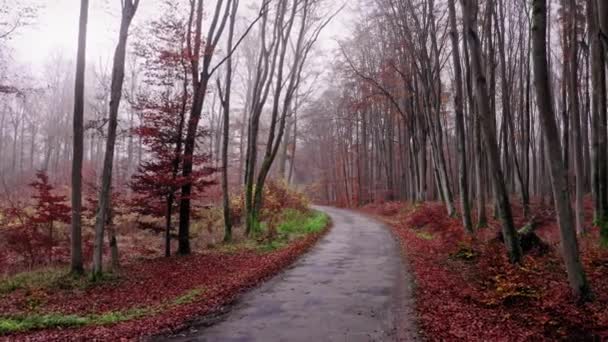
[(33, 322), (40, 279), (295, 222), (271, 246), (52, 278), (292, 224), (13, 324), (604, 235), (424, 235), (188, 297), (21, 323)]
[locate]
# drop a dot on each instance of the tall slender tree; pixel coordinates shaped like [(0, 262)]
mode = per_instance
[(558, 175), (129, 7), (78, 141), (469, 10), (459, 113)]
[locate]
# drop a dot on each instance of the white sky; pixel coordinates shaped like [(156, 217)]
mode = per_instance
[(56, 30)]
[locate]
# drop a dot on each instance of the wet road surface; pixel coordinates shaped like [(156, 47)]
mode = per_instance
[(352, 286)]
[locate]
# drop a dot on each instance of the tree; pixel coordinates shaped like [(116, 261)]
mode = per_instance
[(78, 140), (598, 33), (225, 101), (162, 107), (559, 178), (458, 98), (201, 77), (129, 7), (573, 97), (49, 208), (272, 63), (469, 8)]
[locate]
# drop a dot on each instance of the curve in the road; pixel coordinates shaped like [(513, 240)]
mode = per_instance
[(352, 286)]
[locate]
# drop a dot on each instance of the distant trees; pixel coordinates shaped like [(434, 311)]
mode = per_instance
[(386, 129)]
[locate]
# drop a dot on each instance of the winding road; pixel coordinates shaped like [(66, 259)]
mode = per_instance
[(352, 286)]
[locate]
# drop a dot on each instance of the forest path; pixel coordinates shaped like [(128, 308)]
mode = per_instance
[(352, 286)]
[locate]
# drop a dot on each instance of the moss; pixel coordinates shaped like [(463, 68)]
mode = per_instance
[(604, 234), (425, 235), (188, 297)]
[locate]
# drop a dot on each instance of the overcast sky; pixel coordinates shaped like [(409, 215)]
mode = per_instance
[(56, 30)]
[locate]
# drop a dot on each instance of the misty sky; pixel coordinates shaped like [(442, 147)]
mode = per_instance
[(56, 31)]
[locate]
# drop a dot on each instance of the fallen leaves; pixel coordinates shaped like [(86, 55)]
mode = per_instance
[(467, 290), (149, 283)]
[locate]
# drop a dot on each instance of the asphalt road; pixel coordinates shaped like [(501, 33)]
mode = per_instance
[(352, 286)]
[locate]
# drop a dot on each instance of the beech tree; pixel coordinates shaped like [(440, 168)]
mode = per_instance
[(202, 71), (275, 72), (78, 128), (129, 7), (225, 101), (485, 116), (559, 178)]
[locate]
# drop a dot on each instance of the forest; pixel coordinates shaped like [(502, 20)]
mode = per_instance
[(272, 170)]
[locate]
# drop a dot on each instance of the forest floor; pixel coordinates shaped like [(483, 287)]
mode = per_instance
[(148, 297), (352, 286), (467, 290)]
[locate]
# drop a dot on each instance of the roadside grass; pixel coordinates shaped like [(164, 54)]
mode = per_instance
[(424, 235), (34, 321), (52, 278), (293, 224)]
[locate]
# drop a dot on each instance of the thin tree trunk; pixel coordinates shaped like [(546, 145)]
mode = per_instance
[(226, 127), (118, 75), (575, 115), (76, 264), (557, 172), (458, 99), (482, 96)]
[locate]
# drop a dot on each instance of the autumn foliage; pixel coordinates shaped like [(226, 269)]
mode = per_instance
[(468, 290), (31, 231)]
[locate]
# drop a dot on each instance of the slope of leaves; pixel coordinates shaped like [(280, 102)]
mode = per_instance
[(467, 290), (148, 284)]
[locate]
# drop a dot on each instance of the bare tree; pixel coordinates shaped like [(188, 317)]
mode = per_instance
[(559, 178), (129, 8), (458, 99), (225, 101), (76, 248), (469, 9)]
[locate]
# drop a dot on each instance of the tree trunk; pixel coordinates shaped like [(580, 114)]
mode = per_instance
[(118, 75), (575, 115), (485, 115), (76, 230), (599, 43), (559, 179), (226, 127), (458, 105)]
